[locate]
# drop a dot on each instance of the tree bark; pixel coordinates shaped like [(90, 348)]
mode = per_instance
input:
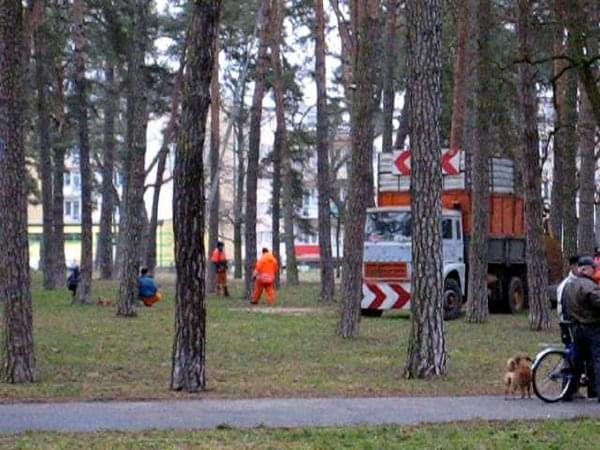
[(189, 347), (213, 214), (477, 141), (105, 238), (389, 61), (427, 341), (585, 53), (291, 271), (404, 126), (323, 169), (81, 108), (570, 182), (362, 111), (137, 121), (239, 189), (587, 184), (457, 128), (254, 150), (18, 359), (537, 266), (587, 131), (558, 156), (169, 135), (48, 256), (58, 175), (276, 199)]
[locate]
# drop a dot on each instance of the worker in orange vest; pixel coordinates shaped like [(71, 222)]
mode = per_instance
[(219, 261), (264, 276)]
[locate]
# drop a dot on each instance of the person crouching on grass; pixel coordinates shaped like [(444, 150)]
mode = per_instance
[(264, 276), (147, 290)]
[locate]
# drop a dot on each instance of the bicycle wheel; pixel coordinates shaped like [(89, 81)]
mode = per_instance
[(552, 375)]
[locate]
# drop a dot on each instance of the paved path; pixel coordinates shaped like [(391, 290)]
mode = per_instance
[(196, 414)]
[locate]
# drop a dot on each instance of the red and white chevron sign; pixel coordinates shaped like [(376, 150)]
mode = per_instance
[(450, 162), (385, 295)]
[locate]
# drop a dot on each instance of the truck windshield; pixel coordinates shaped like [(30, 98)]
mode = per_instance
[(390, 226)]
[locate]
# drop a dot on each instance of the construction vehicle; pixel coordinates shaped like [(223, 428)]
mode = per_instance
[(387, 267)]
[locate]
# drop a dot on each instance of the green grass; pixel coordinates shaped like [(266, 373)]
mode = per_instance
[(555, 434), (87, 352)]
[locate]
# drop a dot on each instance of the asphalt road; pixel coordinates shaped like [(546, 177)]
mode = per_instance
[(316, 412)]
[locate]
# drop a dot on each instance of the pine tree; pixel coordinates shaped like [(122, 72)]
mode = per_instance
[(189, 349), (18, 359), (427, 341)]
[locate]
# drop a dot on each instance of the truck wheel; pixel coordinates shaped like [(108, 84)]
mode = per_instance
[(515, 295), (371, 312), (452, 299)]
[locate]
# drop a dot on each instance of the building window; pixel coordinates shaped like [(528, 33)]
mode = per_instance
[(72, 179), (76, 180), (72, 209)]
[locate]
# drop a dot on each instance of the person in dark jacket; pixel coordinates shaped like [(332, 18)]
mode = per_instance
[(582, 298), (73, 280), (147, 290)]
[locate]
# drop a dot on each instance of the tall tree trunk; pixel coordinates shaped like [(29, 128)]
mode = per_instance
[(558, 155), (460, 77), (427, 341), (587, 185), (363, 109), (189, 347), (254, 150), (389, 63), (404, 126), (587, 132), (276, 199), (18, 359), (537, 265), (291, 272), (122, 226), (239, 188), (48, 256), (477, 142), (105, 238), (323, 169), (213, 214), (570, 182), (58, 175), (169, 135), (85, 284), (584, 56), (137, 122)]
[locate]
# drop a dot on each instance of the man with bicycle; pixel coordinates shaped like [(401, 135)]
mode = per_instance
[(581, 296)]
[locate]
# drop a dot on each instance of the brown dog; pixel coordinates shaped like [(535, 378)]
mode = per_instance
[(518, 375), (104, 301)]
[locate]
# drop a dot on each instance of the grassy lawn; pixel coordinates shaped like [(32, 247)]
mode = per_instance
[(86, 352), (579, 434)]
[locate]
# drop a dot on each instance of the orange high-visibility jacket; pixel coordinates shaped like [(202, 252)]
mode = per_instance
[(267, 263), (218, 256)]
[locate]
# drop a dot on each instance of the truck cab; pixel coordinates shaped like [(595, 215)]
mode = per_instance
[(387, 261)]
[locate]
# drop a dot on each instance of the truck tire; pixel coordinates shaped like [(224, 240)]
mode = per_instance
[(371, 312), (452, 299), (515, 295)]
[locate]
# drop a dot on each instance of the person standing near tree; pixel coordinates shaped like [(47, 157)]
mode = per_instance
[(582, 297), (264, 276), (219, 261)]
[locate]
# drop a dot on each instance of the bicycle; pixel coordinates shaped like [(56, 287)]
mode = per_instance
[(552, 369)]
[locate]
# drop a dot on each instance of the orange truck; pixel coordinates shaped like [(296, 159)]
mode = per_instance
[(387, 265)]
